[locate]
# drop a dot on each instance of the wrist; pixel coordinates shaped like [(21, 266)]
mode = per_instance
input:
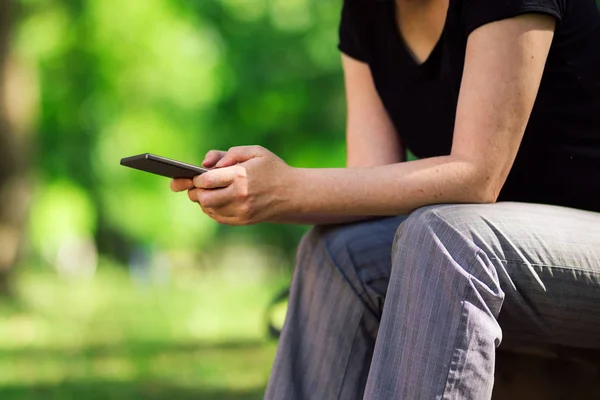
[(295, 197)]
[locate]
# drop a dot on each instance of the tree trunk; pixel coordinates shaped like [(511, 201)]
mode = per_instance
[(15, 115)]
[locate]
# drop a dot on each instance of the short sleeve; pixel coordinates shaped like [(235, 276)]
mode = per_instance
[(349, 40), (476, 13)]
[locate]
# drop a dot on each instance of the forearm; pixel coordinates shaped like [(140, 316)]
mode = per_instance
[(389, 190)]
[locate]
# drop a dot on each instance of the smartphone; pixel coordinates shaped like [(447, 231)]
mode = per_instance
[(162, 166)]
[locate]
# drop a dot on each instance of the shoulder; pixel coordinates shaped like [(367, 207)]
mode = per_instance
[(355, 28)]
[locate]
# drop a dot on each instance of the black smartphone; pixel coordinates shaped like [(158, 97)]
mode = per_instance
[(162, 166)]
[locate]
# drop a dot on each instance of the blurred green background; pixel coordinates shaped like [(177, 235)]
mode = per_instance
[(111, 285)]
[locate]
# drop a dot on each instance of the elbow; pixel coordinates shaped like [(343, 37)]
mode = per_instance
[(486, 191), (488, 195), (482, 181)]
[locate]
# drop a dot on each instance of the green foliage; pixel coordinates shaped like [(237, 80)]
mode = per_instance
[(196, 337), (67, 212), (176, 78)]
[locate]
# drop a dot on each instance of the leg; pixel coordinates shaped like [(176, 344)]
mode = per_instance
[(453, 268), (334, 309)]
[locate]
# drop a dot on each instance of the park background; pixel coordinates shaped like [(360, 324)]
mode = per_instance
[(111, 285)]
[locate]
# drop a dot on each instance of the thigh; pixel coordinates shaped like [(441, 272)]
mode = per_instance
[(547, 260)]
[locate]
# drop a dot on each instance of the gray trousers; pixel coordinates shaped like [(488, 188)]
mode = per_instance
[(415, 307)]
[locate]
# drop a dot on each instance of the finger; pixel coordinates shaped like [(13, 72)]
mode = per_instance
[(209, 211), (240, 154), (218, 178), (220, 218), (217, 213), (179, 185), (233, 221), (228, 211), (212, 157), (193, 195), (217, 199)]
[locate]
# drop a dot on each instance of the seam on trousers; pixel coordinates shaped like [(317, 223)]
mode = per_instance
[(348, 359), (450, 380)]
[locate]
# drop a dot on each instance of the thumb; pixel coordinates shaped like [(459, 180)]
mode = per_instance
[(240, 154)]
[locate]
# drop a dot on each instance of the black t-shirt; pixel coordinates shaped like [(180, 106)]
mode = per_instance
[(559, 159)]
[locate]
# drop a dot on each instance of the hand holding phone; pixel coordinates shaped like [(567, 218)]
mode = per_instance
[(255, 175)]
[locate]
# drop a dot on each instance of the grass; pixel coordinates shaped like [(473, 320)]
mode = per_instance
[(198, 336)]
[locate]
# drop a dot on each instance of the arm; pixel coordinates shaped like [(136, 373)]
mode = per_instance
[(371, 139), (503, 69)]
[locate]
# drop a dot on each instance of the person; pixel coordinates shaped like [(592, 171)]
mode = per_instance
[(417, 270)]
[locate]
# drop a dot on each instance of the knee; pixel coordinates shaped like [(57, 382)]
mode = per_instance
[(443, 248), (431, 221)]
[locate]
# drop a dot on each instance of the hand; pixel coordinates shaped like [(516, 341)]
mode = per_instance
[(210, 160), (248, 185)]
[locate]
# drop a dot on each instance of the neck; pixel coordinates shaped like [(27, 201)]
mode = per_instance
[(420, 23)]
